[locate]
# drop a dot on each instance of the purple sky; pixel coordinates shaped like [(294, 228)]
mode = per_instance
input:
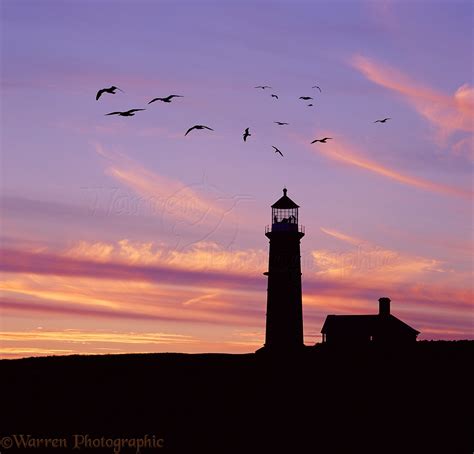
[(115, 226)]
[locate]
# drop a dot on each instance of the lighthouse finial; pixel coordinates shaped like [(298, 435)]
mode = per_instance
[(284, 191)]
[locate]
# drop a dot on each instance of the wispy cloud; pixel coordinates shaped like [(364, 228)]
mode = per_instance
[(154, 186), (203, 271), (349, 154), (78, 336), (342, 236), (377, 265), (448, 113), (200, 207)]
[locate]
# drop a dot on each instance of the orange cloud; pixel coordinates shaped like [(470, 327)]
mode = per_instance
[(141, 300), (203, 255), (448, 113), (99, 251), (348, 154), (24, 352), (78, 336), (350, 281), (145, 282), (329, 304), (377, 265), (41, 342), (427, 330)]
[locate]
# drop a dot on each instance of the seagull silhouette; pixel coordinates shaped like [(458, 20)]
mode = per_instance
[(317, 88), (382, 121), (167, 99), (321, 140), (281, 123), (277, 150), (275, 96), (263, 87), (110, 90), (128, 113), (306, 97), (246, 134), (198, 127)]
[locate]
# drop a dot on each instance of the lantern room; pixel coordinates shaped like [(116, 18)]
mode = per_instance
[(284, 214)]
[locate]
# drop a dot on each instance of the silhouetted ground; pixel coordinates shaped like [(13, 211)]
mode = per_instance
[(417, 400)]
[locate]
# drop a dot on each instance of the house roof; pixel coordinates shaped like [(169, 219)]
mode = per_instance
[(364, 324), (284, 203)]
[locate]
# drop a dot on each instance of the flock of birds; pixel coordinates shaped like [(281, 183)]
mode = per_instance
[(130, 113)]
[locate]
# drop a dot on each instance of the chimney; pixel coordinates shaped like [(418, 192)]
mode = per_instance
[(384, 306)]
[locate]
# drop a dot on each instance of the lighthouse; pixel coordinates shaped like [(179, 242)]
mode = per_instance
[(284, 318)]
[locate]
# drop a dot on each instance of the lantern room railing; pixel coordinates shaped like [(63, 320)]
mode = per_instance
[(284, 227)]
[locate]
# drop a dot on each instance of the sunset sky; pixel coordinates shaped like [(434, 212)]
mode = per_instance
[(123, 235)]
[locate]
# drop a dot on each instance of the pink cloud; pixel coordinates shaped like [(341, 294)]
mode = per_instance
[(220, 285), (447, 113), (344, 152), (191, 212)]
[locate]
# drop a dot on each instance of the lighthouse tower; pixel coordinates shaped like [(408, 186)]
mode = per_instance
[(284, 323)]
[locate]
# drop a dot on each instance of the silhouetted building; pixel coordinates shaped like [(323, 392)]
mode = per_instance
[(382, 328), (284, 320)]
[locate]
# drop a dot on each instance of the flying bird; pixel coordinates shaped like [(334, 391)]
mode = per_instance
[(246, 134), (275, 96), (128, 113), (317, 88), (263, 87), (198, 127), (310, 105), (382, 121), (167, 99), (110, 90), (281, 123), (277, 150), (321, 140), (306, 97)]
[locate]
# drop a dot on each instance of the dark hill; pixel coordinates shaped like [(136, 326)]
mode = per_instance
[(326, 401)]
